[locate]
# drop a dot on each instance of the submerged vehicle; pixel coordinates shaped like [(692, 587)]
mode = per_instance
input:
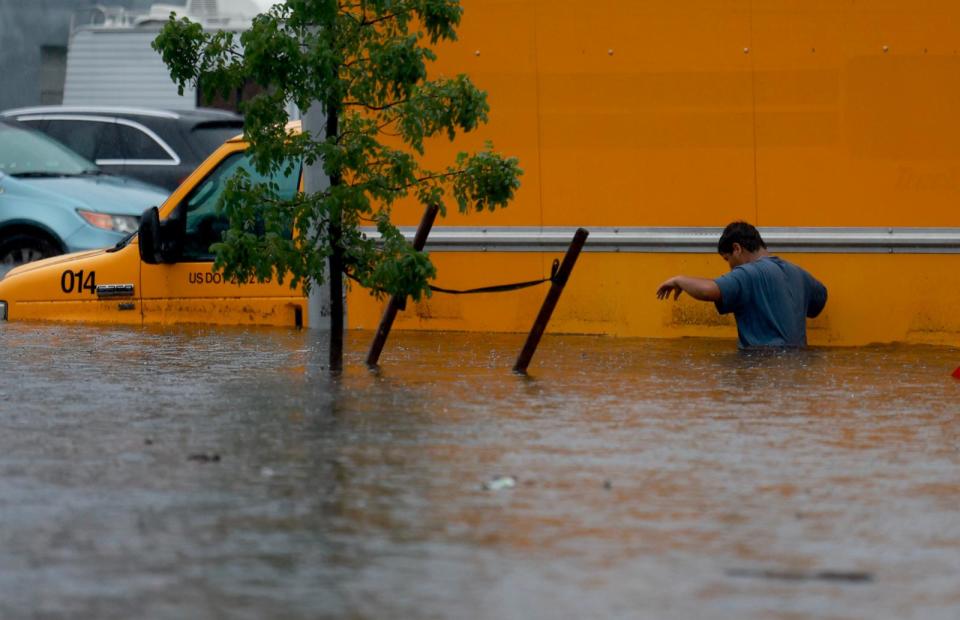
[(826, 125), (133, 282)]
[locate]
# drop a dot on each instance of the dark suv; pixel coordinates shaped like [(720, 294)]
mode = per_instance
[(161, 147)]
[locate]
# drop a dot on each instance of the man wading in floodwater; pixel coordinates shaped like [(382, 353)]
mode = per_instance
[(770, 298)]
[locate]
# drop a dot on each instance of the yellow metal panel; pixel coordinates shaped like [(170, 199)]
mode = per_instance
[(798, 55), (645, 110), (856, 113), (622, 113), (496, 47)]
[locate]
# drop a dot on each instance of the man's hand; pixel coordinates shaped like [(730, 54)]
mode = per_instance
[(703, 289), (668, 287)]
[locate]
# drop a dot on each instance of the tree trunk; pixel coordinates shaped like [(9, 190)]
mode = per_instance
[(334, 230)]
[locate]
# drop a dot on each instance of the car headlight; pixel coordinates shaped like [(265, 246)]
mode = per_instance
[(3, 311), (107, 221)]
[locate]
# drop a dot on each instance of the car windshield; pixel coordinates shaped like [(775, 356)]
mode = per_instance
[(24, 152)]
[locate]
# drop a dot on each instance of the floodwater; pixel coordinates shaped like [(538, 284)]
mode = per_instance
[(222, 473)]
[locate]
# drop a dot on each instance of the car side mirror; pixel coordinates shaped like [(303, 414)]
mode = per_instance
[(160, 242), (149, 236)]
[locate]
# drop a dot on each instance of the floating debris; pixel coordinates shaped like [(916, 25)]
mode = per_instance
[(787, 575), (500, 483), (204, 458), (608, 484)]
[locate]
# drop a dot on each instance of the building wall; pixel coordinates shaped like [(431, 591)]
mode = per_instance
[(33, 42)]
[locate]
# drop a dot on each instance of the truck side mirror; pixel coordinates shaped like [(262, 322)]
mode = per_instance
[(149, 235), (160, 242), (172, 233)]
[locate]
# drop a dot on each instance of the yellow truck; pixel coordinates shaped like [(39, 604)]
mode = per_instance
[(830, 125), (135, 282)]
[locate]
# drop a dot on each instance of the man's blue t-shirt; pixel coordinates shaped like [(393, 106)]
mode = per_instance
[(771, 300)]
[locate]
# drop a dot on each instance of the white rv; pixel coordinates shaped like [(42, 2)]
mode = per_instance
[(110, 61)]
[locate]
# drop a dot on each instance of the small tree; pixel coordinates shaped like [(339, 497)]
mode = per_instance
[(365, 63)]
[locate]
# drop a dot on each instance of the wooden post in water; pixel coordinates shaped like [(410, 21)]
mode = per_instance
[(396, 301), (550, 302)]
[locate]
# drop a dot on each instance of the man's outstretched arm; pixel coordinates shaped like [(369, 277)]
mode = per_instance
[(703, 289)]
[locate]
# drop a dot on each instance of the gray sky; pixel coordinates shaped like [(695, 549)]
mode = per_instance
[(265, 4)]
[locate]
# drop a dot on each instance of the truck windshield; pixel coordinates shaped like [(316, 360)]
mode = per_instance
[(205, 225), (28, 153)]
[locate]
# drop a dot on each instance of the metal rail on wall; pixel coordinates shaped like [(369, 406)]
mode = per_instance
[(694, 239)]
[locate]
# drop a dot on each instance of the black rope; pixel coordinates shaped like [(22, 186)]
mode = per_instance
[(500, 288), (496, 288)]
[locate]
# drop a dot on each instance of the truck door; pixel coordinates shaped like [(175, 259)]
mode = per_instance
[(190, 291)]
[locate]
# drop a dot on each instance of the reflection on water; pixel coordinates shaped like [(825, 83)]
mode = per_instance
[(201, 472)]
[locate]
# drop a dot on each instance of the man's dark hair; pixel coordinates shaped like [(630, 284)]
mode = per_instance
[(743, 233)]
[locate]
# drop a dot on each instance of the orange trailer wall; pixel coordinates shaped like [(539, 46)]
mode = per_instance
[(656, 113), (664, 113)]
